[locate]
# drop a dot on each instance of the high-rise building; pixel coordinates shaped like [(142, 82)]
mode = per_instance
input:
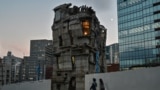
[(112, 53), (5, 73), (37, 47), (34, 64), (49, 61), (49, 55), (22, 76), (14, 63), (139, 32)]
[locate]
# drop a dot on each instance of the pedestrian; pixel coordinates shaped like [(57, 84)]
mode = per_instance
[(94, 85), (72, 84), (101, 84)]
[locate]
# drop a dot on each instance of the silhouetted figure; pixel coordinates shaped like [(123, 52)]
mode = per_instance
[(58, 87), (101, 85), (72, 84), (65, 77), (94, 85)]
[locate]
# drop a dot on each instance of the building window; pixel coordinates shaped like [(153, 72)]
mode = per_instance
[(86, 27), (57, 15)]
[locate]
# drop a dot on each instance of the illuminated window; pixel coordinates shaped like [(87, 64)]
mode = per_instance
[(73, 59), (86, 27)]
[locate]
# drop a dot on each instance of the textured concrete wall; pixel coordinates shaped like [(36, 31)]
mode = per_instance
[(32, 85), (141, 79)]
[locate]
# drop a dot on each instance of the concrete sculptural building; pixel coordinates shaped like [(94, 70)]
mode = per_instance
[(79, 46)]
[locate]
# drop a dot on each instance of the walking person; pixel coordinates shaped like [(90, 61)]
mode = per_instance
[(72, 84), (101, 84), (94, 85)]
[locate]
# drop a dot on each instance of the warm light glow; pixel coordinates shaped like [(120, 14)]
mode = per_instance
[(85, 33), (86, 23), (86, 27)]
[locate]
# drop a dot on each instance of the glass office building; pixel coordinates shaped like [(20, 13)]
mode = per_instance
[(112, 53), (138, 32)]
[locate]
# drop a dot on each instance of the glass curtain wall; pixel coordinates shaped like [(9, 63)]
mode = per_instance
[(139, 32)]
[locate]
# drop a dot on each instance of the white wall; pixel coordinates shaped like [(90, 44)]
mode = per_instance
[(141, 79), (32, 85)]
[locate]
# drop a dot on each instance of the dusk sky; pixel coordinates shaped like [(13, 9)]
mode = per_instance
[(25, 20)]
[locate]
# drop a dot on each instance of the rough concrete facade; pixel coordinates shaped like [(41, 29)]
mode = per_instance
[(79, 46)]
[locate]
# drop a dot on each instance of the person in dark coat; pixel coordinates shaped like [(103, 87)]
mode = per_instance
[(72, 84), (101, 84), (94, 85)]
